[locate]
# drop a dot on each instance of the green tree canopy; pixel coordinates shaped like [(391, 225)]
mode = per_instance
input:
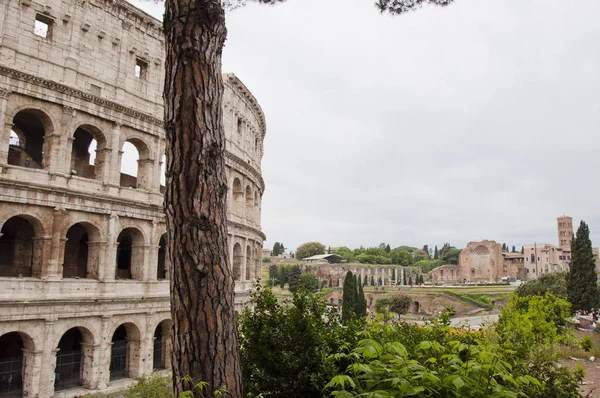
[(310, 282), (554, 282), (295, 278), (349, 298), (400, 303), (309, 249)]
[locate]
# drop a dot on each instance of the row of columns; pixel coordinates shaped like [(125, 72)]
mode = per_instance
[(49, 251), (39, 365), (254, 260), (387, 275), (58, 143)]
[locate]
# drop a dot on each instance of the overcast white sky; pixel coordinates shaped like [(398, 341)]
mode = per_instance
[(476, 121)]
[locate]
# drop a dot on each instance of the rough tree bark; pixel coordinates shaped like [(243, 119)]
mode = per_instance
[(205, 345)]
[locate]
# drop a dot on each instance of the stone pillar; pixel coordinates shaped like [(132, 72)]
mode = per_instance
[(90, 354), (58, 145), (144, 175), (6, 125), (134, 356), (244, 259), (47, 371), (41, 255), (54, 270), (96, 260), (157, 166), (139, 269), (152, 258), (115, 157), (32, 367), (167, 345), (103, 367), (110, 263)]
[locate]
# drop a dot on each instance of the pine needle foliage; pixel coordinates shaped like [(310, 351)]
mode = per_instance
[(583, 290)]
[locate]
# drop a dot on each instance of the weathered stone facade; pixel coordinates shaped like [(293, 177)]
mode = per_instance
[(480, 262), (84, 292)]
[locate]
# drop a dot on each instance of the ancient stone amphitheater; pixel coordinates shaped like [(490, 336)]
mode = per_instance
[(84, 291)]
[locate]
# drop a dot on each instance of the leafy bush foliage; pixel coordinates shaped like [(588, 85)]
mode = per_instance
[(151, 387), (284, 346), (554, 282), (400, 303)]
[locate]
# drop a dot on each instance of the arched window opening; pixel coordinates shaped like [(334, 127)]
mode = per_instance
[(163, 173), (130, 253), (249, 205), (76, 252), (26, 146), (161, 272), (87, 155), (238, 197), (129, 165), (17, 248), (162, 346), (136, 165), (248, 264), (119, 355), (11, 365), (237, 262), (532, 258), (71, 360)]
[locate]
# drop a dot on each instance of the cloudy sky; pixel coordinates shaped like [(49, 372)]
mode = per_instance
[(476, 121)]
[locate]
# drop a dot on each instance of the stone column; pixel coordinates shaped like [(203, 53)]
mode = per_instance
[(58, 145), (47, 371), (32, 368), (7, 126), (115, 157), (152, 258), (102, 165), (156, 167), (110, 263), (244, 260), (103, 367), (90, 354), (134, 357), (139, 269), (54, 270), (41, 255), (167, 345), (96, 260)]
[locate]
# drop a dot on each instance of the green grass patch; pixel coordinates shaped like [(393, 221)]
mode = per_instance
[(480, 300)]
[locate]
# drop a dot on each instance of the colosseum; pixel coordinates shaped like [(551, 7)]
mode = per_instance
[(84, 291)]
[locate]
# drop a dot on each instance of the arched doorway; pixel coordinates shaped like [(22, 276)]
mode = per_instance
[(12, 363), (161, 272), (162, 346), (76, 252), (72, 359), (130, 254), (17, 248), (237, 262), (417, 307), (27, 146), (124, 352)]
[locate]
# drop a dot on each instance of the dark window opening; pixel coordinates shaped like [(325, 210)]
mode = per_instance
[(69, 362), (83, 154), (162, 251), (26, 148), (11, 365), (237, 262), (124, 256), (16, 248), (158, 357), (76, 253), (119, 355)]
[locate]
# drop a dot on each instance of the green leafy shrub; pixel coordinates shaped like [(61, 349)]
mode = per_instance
[(151, 387), (586, 343), (284, 345)]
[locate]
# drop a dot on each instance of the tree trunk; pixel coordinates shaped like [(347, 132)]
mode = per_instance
[(205, 345)]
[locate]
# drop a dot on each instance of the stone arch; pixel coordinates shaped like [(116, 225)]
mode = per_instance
[(238, 197), (138, 176), (88, 152), (82, 252), (130, 254), (32, 126), (249, 204), (163, 259), (249, 270), (161, 358), (16, 363), (237, 262), (20, 248), (125, 352), (74, 359)]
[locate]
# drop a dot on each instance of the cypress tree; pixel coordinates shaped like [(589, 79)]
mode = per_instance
[(582, 280), (435, 253), (410, 280), (404, 276), (372, 281), (349, 298), (363, 302), (522, 249)]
